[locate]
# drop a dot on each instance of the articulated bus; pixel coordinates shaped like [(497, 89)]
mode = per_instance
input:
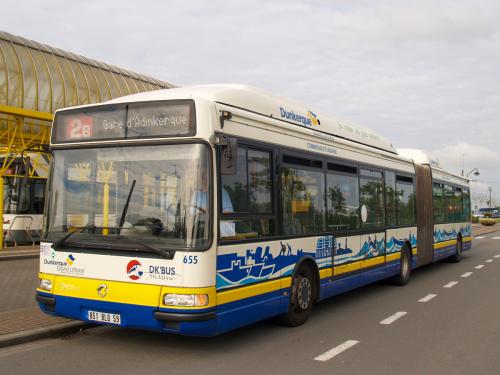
[(202, 209)]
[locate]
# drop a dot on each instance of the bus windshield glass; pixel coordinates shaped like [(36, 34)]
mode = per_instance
[(155, 195)]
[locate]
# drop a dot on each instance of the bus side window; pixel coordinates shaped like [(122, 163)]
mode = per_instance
[(449, 198), (405, 200), (438, 203), (303, 201), (246, 193), (38, 196), (25, 196), (466, 204), (342, 195), (390, 198), (371, 199)]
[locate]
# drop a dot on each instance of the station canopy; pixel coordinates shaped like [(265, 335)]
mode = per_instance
[(35, 76)]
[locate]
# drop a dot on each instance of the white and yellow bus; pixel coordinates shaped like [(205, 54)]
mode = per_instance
[(201, 209)]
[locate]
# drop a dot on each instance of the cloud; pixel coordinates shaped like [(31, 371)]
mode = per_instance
[(468, 156)]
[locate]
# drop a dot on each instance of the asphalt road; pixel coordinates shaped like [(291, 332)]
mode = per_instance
[(455, 332)]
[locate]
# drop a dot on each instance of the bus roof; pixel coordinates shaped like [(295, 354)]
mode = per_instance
[(262, 102)]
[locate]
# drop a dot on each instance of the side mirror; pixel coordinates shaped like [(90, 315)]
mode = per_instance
[(229, 157)]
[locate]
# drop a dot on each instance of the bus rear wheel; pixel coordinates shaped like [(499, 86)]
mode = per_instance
[(403, 276), (457, 257), (302, 297)]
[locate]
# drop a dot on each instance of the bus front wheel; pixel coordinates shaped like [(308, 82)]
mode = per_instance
[(302, 297), (403, 276)]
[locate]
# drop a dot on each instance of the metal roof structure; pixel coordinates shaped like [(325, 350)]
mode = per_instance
[(39, 77)]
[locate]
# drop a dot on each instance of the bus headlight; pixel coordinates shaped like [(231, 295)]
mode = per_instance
[(45, 284), (190, 300)]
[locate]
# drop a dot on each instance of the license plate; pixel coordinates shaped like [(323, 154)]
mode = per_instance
[(103, 317)]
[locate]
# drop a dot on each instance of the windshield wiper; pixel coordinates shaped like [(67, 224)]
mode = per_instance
[(59, 242), (125, 208), (165, 253)]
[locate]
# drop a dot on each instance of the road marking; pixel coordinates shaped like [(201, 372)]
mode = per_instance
[(393, 317), (451, 284), (467, 274), (489, 260), (427, 298), (479, 266), (495, 238), (497, 256), (478, 238), (336, 351)]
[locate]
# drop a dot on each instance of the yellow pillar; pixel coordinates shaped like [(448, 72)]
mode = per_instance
[(105, 209), (1, 210)]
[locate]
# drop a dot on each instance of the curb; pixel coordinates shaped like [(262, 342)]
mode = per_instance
[(22, 337), (481, 234)]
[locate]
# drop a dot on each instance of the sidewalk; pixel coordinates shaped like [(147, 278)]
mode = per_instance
[(28, 324), (20, 318), (19, 252), (479, 229)]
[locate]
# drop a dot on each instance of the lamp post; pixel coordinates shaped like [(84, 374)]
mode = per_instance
[(475, 170)]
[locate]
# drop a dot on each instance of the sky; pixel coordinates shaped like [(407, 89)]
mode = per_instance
[(425, 74)]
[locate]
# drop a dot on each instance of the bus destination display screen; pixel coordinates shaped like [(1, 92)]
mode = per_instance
[(173, 118)]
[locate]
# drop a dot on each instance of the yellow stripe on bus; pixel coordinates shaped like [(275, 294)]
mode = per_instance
[(345, 268), (117, 291), (440, 245), (467, 239), (122, 292), (372, 262), (392, 256), (252, 290), (325, 272)]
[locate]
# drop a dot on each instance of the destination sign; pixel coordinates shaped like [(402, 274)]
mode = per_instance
[(173, 118)]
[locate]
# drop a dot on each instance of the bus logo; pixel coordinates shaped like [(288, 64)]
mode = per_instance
[(70, 259), (134, 270), (102, 290), (314, 119)]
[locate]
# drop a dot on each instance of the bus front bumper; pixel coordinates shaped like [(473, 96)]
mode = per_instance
[(184, 322)]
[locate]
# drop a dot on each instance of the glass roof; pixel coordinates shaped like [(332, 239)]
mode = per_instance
[(43, 78)]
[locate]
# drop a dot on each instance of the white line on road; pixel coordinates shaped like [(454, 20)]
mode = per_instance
[(497, 256), (393, 317), (495, 238), (336, 351), (427, 298), (489, 260), (467, 274), (451, 284), (478, 238), (479, 266)]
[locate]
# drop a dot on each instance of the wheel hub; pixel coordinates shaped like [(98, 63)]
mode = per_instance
[(304, 293)]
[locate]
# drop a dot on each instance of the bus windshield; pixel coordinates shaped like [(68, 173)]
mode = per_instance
[(158, 195)]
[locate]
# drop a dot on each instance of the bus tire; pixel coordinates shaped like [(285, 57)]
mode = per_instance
[(303, 292), (403, 276), (455, 258)]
